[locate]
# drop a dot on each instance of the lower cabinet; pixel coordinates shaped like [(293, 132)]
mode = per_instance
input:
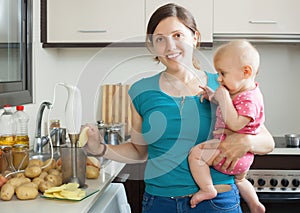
[(132, 176)]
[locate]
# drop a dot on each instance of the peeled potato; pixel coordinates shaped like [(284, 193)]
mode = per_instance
[(92, 161), (92, 172), (83, 137)]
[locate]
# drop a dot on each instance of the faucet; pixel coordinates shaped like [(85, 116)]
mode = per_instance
[(40, 141)]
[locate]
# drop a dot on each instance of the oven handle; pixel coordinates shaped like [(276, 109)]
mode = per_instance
[(278, 197)]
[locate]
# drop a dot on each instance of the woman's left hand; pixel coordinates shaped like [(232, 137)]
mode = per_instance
[(232, 148)]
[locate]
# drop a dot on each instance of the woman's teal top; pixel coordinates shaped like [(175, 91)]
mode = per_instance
[(171, 127)]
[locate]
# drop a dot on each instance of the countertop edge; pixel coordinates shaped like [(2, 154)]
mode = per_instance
[(107, 175)]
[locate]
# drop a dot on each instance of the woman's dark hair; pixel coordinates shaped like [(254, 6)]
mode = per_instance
[(170, 10)]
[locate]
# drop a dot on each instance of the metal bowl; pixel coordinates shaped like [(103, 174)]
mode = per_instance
[(292, 140)]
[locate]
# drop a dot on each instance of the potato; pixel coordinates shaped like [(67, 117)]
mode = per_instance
[(58, 162), (92, 172), (26, 192), (31, 184), (43, 175), (35, 162), (92, 161), (56, 180), (51, 166), (15, 182), (54, 172), (83, 137), (33, 171), (38, 180), (20, 175), (7, 191), (45, 185)]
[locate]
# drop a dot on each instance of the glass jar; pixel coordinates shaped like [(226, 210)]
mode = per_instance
[(54, 124), (6, 165), (20, 155)]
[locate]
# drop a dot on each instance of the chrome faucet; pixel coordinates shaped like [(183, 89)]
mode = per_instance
[(39, 141)]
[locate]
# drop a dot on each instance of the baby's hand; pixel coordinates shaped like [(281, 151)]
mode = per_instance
[(221, 94), (207, 93)]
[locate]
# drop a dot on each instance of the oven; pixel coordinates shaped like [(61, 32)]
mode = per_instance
[(276, 178)]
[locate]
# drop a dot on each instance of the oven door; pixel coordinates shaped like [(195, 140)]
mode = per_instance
[(276, 179), (277, 202)]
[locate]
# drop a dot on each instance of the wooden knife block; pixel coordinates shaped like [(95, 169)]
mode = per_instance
[(115, 105)]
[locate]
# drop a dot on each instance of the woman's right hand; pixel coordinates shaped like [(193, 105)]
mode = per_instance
[(93, 145)]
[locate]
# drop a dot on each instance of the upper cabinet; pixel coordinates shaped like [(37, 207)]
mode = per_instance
[(258, 19), (92, 21), (97, 23), (202, 11)]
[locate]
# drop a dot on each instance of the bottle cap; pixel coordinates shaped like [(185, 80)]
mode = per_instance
[(20, 108)]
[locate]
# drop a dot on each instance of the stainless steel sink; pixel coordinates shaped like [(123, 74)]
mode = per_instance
[(44, 156)]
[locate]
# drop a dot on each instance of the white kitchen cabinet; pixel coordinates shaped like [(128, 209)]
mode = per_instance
[(267, 18), (202, 11), (94, 21)]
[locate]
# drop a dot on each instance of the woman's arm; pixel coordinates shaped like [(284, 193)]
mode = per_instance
[(237, 145), (135, 151)]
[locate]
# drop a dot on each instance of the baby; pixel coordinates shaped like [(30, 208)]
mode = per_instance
[(240, 109)]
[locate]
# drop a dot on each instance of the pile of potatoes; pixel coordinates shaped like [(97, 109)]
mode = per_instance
[(36, 178), (27, 185)]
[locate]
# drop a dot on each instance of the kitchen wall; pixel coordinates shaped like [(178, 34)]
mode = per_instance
[(88, 68)]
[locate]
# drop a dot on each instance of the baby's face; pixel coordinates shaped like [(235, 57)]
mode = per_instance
[(231, 74)]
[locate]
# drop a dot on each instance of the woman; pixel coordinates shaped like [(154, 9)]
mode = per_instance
[(168, 120)]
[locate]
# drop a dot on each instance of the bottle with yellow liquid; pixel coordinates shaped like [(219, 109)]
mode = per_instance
[(21, 118), (7, 127)]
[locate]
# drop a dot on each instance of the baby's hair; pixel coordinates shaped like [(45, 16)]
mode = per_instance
[(244, 51)]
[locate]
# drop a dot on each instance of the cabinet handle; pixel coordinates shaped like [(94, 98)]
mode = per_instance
[(92, 31), (263, 22)]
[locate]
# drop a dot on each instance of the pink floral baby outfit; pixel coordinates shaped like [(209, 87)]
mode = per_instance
[(250, 104)]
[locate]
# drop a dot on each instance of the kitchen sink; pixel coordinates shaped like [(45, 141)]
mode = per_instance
[(44, 156)]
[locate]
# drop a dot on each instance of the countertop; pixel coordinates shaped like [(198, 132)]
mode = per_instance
[(107, 173), (282, 149)]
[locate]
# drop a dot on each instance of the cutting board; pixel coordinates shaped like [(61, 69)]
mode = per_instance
[(115, 105)]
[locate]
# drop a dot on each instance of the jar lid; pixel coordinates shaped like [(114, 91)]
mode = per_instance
[(20, 146), (5, 147)]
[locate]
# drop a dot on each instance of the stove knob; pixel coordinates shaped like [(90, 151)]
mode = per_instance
[(273, 182), (285, 182), (296, 182), (261, 182), (251, 181)]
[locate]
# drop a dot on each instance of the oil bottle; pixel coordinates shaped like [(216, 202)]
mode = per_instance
[(7, 127), (21, 119)]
